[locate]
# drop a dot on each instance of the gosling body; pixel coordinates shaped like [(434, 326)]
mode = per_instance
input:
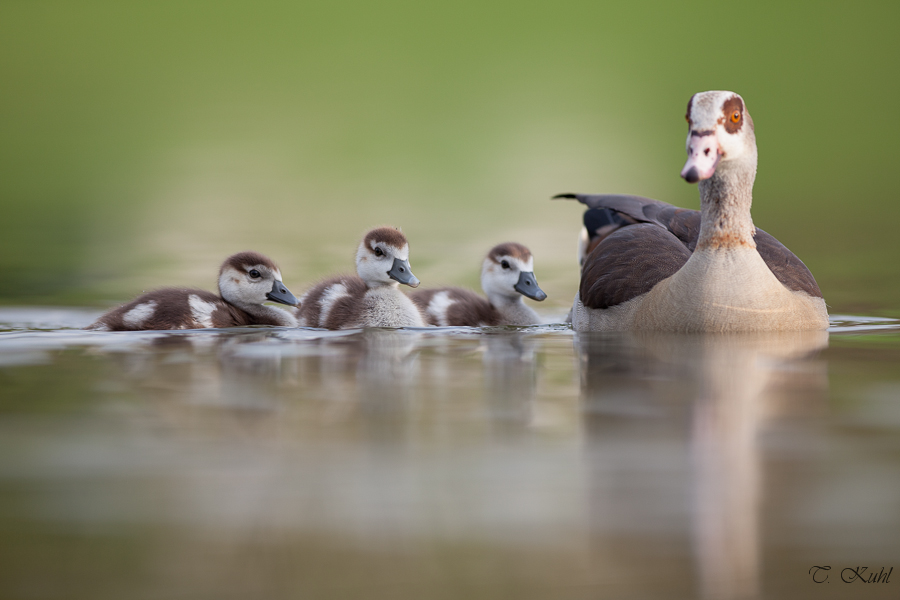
[(246, 281), (507, 274), (372, 298)]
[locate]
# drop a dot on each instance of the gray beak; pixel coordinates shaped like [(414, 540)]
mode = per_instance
[(401, 272), (527, 286), (281, 294)]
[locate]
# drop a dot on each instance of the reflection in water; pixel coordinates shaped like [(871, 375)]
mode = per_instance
[(510, 377), (732, 384), (269, 462)]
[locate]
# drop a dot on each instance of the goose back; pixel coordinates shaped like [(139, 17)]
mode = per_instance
[(646, 241)]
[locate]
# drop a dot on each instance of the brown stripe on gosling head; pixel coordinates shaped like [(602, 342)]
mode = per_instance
[(385, 235), (510, 249), (242, 260)]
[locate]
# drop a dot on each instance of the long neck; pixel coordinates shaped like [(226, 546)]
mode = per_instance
[(268, 314), (725, 200), (513, 310)]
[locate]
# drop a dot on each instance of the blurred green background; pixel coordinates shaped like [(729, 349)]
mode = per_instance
[(140, 143)]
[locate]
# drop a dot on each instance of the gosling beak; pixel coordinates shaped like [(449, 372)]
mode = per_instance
[(401, 272), (703, 156), (281, 294), (527, 286)]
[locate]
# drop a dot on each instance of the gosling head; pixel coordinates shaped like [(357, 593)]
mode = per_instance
[(250, 278), (383, 259), (720, 135), (508, 271)]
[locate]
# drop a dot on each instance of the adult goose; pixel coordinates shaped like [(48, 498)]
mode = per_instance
[(246, 281), (648, 265), (507, 274), (371, 299)]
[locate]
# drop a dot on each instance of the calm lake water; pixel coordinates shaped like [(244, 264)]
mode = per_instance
[(446, 463)]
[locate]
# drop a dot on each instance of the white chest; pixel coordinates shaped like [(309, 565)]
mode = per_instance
[(387, 306), (728, 290)]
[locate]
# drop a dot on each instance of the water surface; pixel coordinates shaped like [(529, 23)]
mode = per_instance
[(445, 463)]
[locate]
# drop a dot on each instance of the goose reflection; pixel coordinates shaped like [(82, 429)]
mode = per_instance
[(719, 392)]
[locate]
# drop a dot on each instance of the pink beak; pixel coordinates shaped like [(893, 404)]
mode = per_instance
[(703, 156)]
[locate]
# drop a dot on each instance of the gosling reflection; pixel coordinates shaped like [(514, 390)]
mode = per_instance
[(386, 370), (262, 371), (242, 370), (719, 392), (510, 379)]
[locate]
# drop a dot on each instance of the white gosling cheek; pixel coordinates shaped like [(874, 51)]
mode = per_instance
[(488, 275), (373, 270), (228, 288), (511, 277), (139, 314), (497, 281), (201, 310)]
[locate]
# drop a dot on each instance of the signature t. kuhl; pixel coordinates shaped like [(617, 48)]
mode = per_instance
[(851, 574)]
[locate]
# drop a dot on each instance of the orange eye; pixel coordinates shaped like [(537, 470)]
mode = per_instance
[(736, 116)]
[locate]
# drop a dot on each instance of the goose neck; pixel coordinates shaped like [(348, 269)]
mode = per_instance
[(725, 200)]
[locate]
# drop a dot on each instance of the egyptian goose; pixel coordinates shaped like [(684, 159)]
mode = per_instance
[(648, 265), (373, 299), (246, 281), (507, 274)]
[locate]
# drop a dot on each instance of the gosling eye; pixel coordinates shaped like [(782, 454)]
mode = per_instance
[(504, 264), (379, 251), (254, 274)]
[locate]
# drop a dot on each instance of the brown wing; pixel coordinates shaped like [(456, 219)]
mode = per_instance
[(467, 308), (785, 265), (628, 263), (684, 224), (345, 310), (470, 310), (422, 298), (171, 310)]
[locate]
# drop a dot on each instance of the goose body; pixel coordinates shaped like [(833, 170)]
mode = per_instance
[(649, 265), (373, 297), (506, 275), (246, 281)]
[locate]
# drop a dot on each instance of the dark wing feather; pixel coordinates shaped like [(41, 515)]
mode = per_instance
[(785, 265), (628, 263), (684, 224), (642, 210)]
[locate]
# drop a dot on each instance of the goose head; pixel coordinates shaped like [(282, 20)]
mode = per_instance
[(720, 135), (508, 271), (383, 259), (250, 278)]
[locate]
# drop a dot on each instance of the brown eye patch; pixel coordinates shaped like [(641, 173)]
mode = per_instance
[(733, 109)]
